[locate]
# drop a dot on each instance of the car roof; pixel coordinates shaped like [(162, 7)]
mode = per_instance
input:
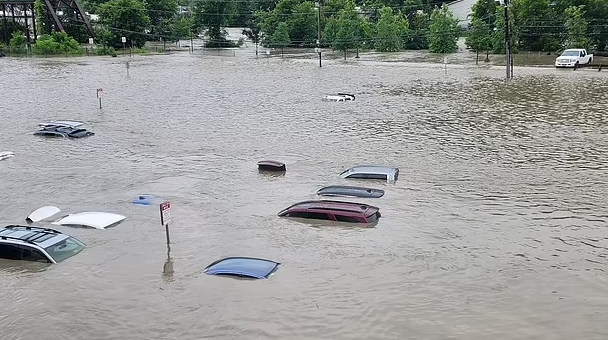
[(243, 266), (93, 219), (373, 169), (42, 237), (332, 206), (62, 123)]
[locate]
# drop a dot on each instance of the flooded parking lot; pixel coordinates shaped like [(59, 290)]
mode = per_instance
[(495, 228)]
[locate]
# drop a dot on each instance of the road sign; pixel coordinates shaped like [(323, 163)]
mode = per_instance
[(123, 39), (99, 92), (165, 213), (90, 41)]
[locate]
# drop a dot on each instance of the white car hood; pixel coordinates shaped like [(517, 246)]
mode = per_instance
[(93, 219)]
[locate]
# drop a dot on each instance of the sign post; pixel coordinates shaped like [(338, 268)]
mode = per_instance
[(165, 217), (124, 40), (99, 95)]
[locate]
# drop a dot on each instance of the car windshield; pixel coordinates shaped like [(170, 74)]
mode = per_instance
[(570, 54), (65, 249)]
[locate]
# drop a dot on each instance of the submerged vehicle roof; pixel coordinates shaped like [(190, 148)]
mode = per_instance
[(43, 237), (372, 171), (333, 206), (92, 219), (350, 191), (251, 267), (62, 123)]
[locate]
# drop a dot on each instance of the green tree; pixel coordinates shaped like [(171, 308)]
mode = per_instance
[(350, 29), (253, 32), (214, 15), (443, 31), (56, 43), (40, 22), (161, 13), (126, 18), (301, 19), (418, 27), (17, 44), (479, 37), (485, 11), (577, 27), (303, 24), (540, 24), (280, 38), (387, 32)]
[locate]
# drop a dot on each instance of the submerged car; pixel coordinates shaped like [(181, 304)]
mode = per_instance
[(37, 244), (350, 191), (248, 267), (63, 128), (333, 211), (372, 172), (341, 97), (268, 165), (87, 219)]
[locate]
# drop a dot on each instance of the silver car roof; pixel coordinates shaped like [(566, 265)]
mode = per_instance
[(62, 123), (372, 169)]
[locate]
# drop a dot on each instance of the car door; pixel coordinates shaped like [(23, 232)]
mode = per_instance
[(32, 254)]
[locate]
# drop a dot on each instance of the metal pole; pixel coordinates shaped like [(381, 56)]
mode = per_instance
[(34, 23), (507, 42), (6, 38), (319, 32), (167, 232)]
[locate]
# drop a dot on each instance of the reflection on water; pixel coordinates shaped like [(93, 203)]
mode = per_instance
[(495, 228)]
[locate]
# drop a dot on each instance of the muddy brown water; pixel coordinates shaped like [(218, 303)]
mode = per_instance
[(496, 227)]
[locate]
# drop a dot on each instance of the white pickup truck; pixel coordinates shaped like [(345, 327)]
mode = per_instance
[(573, 57)]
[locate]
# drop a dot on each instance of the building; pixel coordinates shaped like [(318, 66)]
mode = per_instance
[(462, 10)]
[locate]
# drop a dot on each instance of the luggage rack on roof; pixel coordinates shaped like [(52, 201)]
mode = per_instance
[(17, 238), (48, 230)]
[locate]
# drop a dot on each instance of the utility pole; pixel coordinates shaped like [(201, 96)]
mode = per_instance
[(508, 61), (319, 30)]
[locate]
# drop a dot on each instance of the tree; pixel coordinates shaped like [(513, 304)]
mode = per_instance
[(280, 38), (161, 13), (300, 17), (485, 10), (253, 32), (577, 27), (443, 31), (126, 18), (387, 32), (479, 37), (541, 26), (214, 15), (40, 22), (348, 29)]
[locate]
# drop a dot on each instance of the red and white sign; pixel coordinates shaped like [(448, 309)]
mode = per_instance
[(99, 93), (165, 213)]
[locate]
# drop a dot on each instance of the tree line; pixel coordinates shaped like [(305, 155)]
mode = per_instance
[(539, 25), (381, 25)]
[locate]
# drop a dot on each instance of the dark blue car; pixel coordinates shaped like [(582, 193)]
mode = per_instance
[(63, 128)]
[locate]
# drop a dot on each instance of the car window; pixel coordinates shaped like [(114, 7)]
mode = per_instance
[(65, 249), (343, 218), (306, 214), (373, 218), (32, 254), (9, 251)]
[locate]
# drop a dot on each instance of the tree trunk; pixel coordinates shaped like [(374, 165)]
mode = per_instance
[(487, 60), (344, 54)]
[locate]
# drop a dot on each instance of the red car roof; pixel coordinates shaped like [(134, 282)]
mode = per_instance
[(352, 207)]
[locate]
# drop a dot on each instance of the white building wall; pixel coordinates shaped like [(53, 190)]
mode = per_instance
[(462, 10)]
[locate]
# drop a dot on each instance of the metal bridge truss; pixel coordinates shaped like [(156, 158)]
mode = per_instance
[(20, 15)]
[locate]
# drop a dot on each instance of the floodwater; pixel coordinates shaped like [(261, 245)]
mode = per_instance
[(496, 228)]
